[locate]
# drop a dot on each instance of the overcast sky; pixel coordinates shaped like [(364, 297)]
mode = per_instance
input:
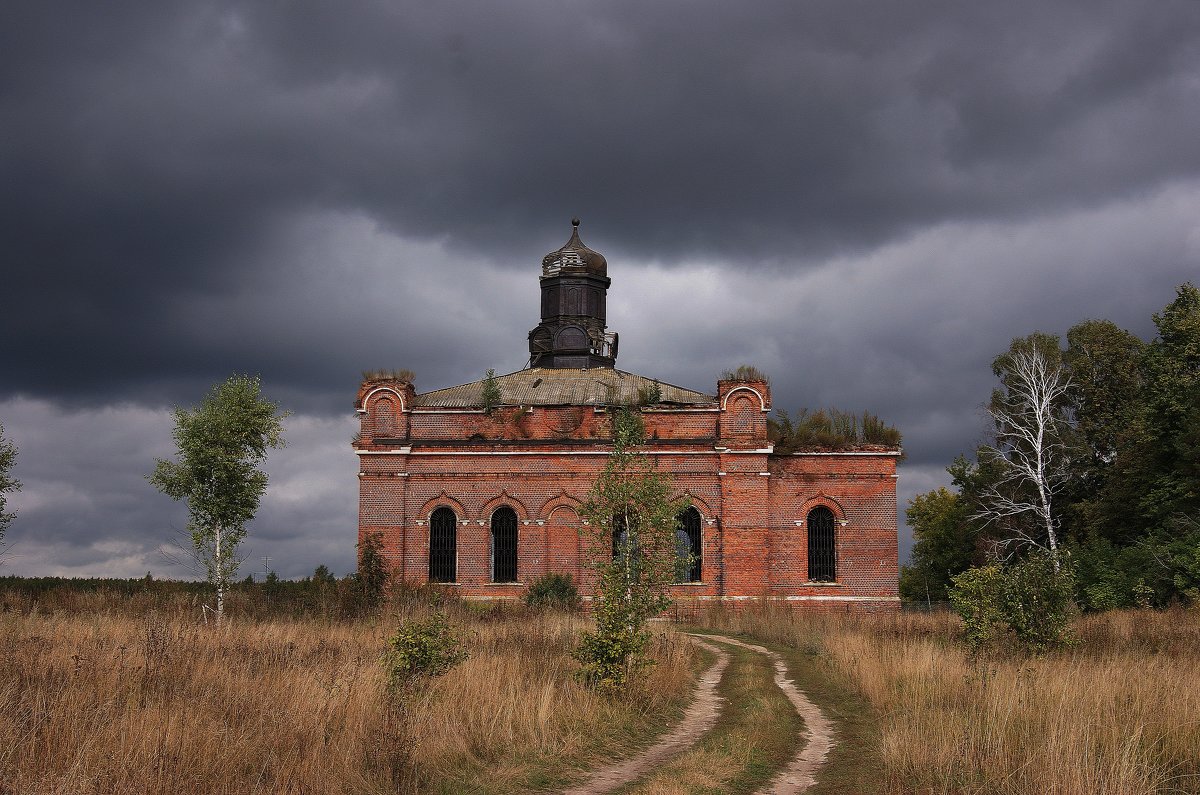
[(866, 200)]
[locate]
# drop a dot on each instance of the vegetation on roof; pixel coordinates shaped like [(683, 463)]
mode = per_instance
[(745, 372), (829, 429), (650, 394), (406, 376)]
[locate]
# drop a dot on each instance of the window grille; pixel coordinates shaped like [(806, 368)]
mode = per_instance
[(687, 534), (504, 545), (822, 545), (621, 542), (443, 546), (619, 536)]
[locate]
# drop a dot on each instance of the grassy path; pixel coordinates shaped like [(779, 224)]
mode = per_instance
[(816, 741), (700, 716), (770, 732), (757, 733)]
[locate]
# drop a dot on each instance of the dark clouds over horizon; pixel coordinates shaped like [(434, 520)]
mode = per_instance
[(867, 201)]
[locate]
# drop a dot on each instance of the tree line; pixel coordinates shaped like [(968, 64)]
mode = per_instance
[(1091, 461)]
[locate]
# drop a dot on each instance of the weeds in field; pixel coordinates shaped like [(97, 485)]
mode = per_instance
[(107, 694), (1116, 714)]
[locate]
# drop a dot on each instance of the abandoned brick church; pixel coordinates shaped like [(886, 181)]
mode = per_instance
[(482, 490)]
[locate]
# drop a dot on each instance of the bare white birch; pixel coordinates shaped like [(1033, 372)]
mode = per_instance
[(1030, 457)]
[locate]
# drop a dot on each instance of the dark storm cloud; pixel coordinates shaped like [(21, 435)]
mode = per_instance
[(866, 200), (151, 148), (85, 507)]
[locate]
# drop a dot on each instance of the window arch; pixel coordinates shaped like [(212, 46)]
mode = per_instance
[(687, 540), (822, 545), (443, 546), (504, 544)]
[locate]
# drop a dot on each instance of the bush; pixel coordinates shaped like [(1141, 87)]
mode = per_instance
[(553, 591), (1028, 604), (611, 655), (373, 577), (829, 429), (977, 595), (421, 648)]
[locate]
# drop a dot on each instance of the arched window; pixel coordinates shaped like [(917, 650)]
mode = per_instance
[(687, 540), (822, 546), (504, 545), (622, 543), (385, 417), (443, 546), (619, 537), (742, 415)]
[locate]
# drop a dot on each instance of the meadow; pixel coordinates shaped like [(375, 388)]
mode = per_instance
[(105, 692), (1117, 713), (131, 690)]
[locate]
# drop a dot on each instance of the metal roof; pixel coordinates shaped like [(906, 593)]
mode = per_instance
[(540, 386)]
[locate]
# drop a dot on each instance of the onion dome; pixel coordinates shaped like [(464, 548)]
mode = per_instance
[(574, 257)]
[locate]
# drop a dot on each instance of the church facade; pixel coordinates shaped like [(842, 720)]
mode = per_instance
[(480, 485)]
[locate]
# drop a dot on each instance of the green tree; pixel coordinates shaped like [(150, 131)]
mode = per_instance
[(491, 392), (373, 576), (945, 544), (220, 445), (322, 577), (8, 484), (1164, 454), (1030, 458), (1105, 365), (634, 551)]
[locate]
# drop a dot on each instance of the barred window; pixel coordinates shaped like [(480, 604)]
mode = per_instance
[(443, 546), (822, 545), (687, 539), (504, 545)]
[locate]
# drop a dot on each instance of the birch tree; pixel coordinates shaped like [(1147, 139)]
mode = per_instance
[(221, 444), (634, 550), (1030, 461)]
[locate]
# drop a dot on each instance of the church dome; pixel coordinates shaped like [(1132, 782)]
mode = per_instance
[(574, 257)]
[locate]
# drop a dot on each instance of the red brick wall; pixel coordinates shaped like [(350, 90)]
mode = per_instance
[(542, 462)]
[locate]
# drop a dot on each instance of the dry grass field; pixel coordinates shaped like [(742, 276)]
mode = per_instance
[(102, 694), (1119, 713)]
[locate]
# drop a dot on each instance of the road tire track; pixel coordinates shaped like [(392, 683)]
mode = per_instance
[(700, 717), (818, 736)]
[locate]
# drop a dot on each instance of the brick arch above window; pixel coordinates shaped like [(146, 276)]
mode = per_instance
[(700, 505), (385, 390), (839, 513), (562, 500), (442, 500), (504, 499), (745, 391), (563, 514)]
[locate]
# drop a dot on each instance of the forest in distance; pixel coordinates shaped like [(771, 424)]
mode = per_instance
[(1115, 485)]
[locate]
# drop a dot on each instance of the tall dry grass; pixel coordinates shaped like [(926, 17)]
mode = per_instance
[(93, 699), (1119, 713)]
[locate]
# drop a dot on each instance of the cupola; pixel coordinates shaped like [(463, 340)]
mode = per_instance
[(574, 284)]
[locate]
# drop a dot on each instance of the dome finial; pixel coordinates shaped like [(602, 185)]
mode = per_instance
[(574, 256)]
